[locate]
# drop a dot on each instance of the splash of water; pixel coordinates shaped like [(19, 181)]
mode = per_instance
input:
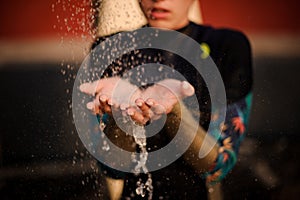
[(139, 135), (140, 138)]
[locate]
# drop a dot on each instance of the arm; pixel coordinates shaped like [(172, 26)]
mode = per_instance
[(167, 94), (233, 132), (223, 155), (181, 115), (236, 67)]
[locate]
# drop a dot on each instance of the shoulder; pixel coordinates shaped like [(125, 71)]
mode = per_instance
[(230, 49), (231, 34), (221, 36), (231, 39)]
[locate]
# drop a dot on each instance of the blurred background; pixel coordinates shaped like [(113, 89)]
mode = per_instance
[(42, 44)]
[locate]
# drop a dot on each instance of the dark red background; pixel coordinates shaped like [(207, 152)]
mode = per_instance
[(21, 19)]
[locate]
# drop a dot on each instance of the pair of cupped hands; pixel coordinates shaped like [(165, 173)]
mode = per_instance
[(117, 94)]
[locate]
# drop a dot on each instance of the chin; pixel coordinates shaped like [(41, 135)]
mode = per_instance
[(160, 24)]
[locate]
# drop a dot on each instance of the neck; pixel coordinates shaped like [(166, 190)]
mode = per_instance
[(182, 28)]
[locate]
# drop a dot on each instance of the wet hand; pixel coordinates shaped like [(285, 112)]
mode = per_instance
[(159, 99), (110, 93)]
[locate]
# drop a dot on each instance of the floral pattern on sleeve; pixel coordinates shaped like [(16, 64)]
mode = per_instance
[(232, 133)]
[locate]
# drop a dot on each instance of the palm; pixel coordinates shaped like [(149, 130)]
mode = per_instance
[(115, 88), (168, 92)]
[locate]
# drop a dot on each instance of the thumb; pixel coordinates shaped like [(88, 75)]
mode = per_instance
[(89, 88), (187, 89)]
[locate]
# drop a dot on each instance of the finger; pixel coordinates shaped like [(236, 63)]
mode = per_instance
[(187, 89), (115, 106), (124, 106), (136, 116), (89, 88), (104, 105), (94, 107), (110, 102), (145, 108), (159, 109), (91, 106), (156, 109), (150, 102)]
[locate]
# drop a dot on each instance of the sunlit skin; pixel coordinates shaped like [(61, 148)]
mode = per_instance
[(142, 106), (105, 97), (166, 14)]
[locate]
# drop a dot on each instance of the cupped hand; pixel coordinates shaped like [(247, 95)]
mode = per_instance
[(110, 93), (159, 99)]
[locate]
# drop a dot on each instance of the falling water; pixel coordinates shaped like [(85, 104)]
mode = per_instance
[(139, 135), (77, 19), (74, 25), (140, 139)]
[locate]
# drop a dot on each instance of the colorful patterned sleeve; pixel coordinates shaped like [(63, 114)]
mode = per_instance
[(232, 133)]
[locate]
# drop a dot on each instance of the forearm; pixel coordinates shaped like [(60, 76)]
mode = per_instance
[(233, 132), (180, 116)]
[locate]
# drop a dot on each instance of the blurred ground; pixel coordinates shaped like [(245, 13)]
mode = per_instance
[(41, 156)]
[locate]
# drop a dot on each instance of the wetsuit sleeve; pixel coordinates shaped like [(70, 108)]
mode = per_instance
[(236, 72), (233, 131)]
